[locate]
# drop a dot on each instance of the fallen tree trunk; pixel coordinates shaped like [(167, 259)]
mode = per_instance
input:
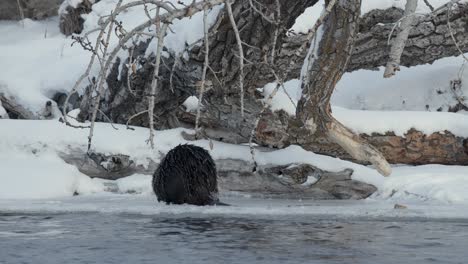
[(221, 118), (279, 130), (428, 41), (293, 181), (415, 148)]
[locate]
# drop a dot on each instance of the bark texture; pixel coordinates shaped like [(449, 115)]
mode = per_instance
[(323, 69), (235, 175), (34, 9), (71, 21), (221, 118), (428, 40)]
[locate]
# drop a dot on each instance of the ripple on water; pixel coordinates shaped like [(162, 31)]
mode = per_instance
[(86, 238)]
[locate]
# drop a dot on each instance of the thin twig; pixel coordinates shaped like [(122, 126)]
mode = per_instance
[(154, 83), (108, 119), (205, 67), (275, 36), (449, 12), (100, 87), (429, 5), (20, 9), (241, 53), (133, 116)]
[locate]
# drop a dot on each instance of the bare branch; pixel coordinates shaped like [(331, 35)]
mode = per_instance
[(429, 5), (20, 9), (451, 32), (241, 53), (102, 74), (135, 115), (393, 65), (154, 83), (205, 68)]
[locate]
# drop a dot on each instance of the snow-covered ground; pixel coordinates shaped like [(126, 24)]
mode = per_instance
[(36, 61), (31, 168)]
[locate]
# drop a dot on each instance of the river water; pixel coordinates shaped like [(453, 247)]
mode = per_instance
[(120, 237)]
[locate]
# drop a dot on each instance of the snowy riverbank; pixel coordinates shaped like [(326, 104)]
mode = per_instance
[(31, 167)]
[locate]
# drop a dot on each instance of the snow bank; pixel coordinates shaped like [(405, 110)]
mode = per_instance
[(40, 175), (368, 122), (36, 60), (399, 122), (21, 137), (368, 5), (428, 182), (30, 167), (422, 88)]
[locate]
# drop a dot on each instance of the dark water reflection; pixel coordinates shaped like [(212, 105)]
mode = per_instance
[(130, 238)]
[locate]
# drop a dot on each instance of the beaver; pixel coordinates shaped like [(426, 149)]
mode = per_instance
[(187, 174)]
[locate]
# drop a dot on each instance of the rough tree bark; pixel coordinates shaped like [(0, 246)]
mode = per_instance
[(221, 117), (323, 72), (34, 9), (428, 40)]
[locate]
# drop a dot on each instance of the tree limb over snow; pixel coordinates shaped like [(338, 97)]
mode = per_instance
[(428, 40), (399, 42)]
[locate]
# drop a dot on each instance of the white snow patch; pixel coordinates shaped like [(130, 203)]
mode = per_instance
[(187, 31), (306, 20), (30, 167), (400, 122), (191, 104), (137, 183), (281, 101), (41, 175), (428, 182), (310, 180), (37, 61), (422, 8), (422, 88)]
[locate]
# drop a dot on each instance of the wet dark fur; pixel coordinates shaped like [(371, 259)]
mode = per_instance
[(187, 174)]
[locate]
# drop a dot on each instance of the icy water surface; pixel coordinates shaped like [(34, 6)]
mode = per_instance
[(96, 237)]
